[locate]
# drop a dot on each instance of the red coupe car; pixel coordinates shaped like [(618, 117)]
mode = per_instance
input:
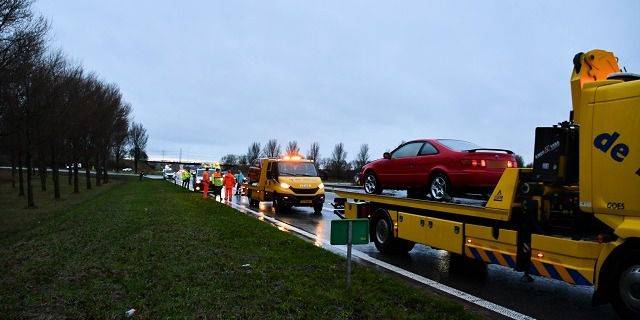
[(437, 168)]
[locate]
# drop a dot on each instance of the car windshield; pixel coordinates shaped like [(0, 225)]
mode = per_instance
[(168, 171), (458, 145), (296, 168)]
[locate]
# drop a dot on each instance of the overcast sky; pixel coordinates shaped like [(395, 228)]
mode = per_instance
[(211, 77)]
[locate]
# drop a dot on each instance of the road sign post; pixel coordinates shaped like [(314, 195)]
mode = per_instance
[(349, 232)]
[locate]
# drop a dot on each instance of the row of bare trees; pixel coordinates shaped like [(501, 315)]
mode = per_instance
[(52, 112)]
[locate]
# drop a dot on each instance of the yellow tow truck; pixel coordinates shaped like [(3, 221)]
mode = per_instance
[(574, 216), (288, 182)]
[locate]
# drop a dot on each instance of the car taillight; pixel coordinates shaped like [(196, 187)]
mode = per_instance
[(474, 163)]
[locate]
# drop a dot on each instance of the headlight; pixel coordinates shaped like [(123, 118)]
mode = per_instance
[(284, 185), (321, 185)]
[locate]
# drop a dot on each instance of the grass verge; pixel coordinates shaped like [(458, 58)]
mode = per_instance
[(168, 253)]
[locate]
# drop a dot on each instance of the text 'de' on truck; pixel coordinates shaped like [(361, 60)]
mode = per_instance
[(574, 216)]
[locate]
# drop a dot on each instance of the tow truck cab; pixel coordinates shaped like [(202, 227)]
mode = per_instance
[(287, 182)]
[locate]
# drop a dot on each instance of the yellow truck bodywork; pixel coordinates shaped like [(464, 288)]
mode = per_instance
[(607, 113)]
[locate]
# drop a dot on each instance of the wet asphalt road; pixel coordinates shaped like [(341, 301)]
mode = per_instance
[(542, 299)]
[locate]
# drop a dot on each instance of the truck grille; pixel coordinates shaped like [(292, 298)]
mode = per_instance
[(304, 191)]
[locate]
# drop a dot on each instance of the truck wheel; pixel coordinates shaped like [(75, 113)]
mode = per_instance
[(317, 209), (439, 186), (626, 291), (278, 205), (371, 184), (383, 236)]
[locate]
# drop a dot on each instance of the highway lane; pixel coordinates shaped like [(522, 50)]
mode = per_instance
[(543, 299)]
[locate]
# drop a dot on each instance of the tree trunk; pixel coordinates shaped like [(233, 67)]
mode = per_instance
[(54, 174), (87, 175), (13, 169), (136, 155), (20, 177), (105, 176), (116, 157), (69, 173), (98, 171), (76, 188), (42, 172), (30, 203)]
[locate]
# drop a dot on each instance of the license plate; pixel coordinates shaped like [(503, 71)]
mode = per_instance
[(306, 201)]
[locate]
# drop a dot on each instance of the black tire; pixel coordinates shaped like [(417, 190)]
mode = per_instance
[(371, 183), (278, 205), (383, 237), (252, 202), (317, 209), (626, 287), (439, 187)]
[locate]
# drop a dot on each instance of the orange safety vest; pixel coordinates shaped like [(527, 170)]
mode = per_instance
[(229, 180), (205, 178)]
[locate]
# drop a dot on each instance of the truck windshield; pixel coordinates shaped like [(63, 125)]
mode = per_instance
[(302, 169)]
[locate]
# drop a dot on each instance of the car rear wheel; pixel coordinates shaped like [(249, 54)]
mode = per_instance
[(439, 187), (371, 184)]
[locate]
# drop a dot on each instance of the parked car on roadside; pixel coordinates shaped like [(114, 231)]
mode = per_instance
[(437, 168), (127, 170), (168, 174)]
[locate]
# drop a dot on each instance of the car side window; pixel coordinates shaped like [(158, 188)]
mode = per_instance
[(408, 150), (427, 149)]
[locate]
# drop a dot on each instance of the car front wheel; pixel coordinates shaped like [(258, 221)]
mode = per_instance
[(371, 184)]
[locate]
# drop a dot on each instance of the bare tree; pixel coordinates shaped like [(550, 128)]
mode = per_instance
[(272, 149), (292, 148), (120, 137), (519, 161), (230, 160), (314, 154), (242, 160), (338, 163), (362, 157), (253, 152), (138, 139)]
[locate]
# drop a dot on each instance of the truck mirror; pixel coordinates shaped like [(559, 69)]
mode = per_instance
[(386, 155)]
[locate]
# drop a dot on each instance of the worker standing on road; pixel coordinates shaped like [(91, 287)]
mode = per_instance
[(229, 183), (217, 184), (186, 176), (239, 182), (205, 183)]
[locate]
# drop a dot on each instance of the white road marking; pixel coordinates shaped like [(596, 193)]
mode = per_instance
[(509, 313)]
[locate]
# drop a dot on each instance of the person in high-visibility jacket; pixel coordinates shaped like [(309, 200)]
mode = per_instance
[(186, 176), (205, 183), (216, 179), (229, 183)]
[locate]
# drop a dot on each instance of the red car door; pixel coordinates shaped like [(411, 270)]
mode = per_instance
[(400, 169), (427, 158)]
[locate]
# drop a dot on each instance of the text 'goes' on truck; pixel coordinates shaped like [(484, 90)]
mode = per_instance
[(287, 182), (574, 216)]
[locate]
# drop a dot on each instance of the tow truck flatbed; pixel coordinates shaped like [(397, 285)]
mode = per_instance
[(436, 206)]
